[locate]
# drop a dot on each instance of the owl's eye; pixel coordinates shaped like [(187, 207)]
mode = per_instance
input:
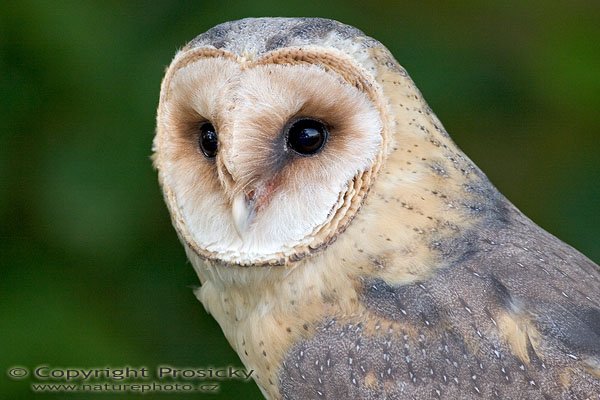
[(208, 140), (307, 136)]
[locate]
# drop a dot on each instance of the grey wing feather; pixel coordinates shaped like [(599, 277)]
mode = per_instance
[(514, 316)]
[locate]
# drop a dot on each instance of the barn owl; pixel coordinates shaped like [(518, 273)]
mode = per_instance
[(346, 246)]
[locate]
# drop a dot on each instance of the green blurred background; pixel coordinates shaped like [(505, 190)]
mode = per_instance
[(91, 271)]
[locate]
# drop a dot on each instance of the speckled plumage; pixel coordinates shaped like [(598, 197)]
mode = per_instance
[(419, 281)]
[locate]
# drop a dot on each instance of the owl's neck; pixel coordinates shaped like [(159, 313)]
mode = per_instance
[(264, 310)]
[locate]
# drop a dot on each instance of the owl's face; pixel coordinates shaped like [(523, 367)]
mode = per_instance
[(264, 160)]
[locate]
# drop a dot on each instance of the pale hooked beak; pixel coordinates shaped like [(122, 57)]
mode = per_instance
[(243, 211)]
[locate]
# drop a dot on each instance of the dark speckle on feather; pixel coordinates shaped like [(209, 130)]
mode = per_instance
[(400, 303), (311, 30), (577, 328)]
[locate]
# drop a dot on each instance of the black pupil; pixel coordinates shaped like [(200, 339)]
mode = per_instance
[(307, 136), (208, 140)]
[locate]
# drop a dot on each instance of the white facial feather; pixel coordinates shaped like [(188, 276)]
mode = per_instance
[(250, 107)]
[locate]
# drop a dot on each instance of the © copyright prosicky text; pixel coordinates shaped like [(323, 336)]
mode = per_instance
[(45, 372)]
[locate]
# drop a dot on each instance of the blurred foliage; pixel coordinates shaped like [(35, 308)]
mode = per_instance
[(92, 273)]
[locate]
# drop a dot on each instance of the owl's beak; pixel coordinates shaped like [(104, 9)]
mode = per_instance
[(243, 211)]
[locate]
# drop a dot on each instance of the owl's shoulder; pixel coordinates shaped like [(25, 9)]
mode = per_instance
[(514, 315)]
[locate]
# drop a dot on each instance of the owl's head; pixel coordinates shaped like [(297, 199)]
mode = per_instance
[(269, 134)]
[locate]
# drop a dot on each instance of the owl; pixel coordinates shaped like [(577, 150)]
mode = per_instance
[(345, 245)]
